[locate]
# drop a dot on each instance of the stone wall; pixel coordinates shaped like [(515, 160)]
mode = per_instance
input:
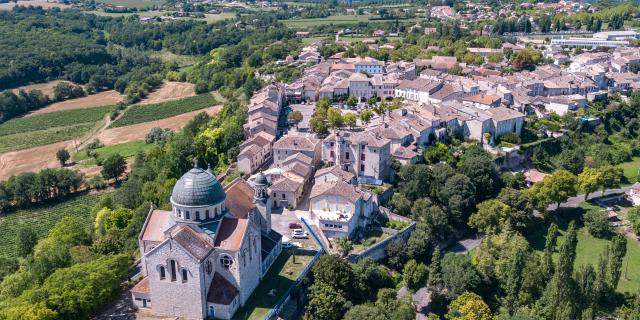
[(377, 252)]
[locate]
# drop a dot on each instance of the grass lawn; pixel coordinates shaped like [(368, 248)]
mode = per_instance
[(218, 16), (126, 150), (631, 170), (42, 218), (361, 38), (590, 247), (371, 237), (280, 277)]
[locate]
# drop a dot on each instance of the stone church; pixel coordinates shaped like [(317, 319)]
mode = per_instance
[(204, 258)]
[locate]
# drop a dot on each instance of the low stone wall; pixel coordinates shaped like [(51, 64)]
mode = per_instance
[(378, 252)]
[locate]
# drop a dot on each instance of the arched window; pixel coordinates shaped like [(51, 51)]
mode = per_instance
[(255, 246), (226, 261), (197, 215), (188, 216), (215, 210), (208, 267), (173, 270), (184, 275), (206, 214), (162, 273)]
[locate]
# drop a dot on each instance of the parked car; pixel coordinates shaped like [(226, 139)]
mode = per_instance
[(299, 234), (294, 225), (288, 245)]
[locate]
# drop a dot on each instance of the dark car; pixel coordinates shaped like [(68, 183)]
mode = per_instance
[(294, 225)]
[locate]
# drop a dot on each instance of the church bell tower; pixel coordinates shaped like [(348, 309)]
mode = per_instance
[(262, 201)]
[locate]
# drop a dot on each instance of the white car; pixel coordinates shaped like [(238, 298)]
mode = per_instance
[(299, 234)]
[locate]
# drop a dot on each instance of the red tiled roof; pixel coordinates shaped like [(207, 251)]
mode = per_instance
[(239, 198), (231, 233), (142, 286), (156, 226), (221, 291)]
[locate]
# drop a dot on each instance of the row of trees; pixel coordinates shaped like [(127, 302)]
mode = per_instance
[(30, 188)]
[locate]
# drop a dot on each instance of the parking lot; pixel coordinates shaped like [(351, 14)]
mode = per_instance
[(280, 220)]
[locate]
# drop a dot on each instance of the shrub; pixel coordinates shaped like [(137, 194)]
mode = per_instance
[(511, 137), (597, 224)]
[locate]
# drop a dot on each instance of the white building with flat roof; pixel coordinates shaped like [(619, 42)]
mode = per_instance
[(589, 42)]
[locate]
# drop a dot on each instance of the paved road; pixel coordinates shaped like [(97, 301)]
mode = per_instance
[(574, 202)]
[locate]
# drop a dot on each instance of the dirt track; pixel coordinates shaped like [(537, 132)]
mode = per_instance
[(170, 90), (38, 158), (94, 100), (138, 131)]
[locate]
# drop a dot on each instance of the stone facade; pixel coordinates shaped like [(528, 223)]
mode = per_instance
[(204, 258)]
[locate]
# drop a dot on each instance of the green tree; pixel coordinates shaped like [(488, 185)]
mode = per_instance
[(468, 306), (295, 117), (526, 59), (113, 167), (559, 186), (597, 223), (435, 282), (458, 274), (589, 181), (618, 251), (334, 118), (558, 301), (513, 281), (491, 216), (365, 116), (318, 125), (351, 101), (349, 119), (571, 160), (344, 246), (549, 247), (610, 177), (414, 274), (26, 240), (325, 303), (63, 156)]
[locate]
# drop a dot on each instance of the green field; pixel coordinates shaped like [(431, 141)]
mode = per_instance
[(631, 170), (54, 119), (134, 3), (280, 277), (32, 139), (48, 128), (42, 218), (126, 150), (152, 112), (589, 247)]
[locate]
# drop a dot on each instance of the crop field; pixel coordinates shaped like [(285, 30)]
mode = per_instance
[(145, 113), (31, 139), (54, 119), (42, 218)]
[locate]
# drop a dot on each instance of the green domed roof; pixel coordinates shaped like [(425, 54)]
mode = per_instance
[(261, 179), (198, 187)]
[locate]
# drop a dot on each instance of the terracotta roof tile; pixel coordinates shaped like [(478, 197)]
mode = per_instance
[(239, 198), (142, 286), (231, 233), (221, 291), (193, 242), (159, 222)]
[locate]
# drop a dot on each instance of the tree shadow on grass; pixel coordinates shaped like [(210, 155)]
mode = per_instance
[(562, 217)]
